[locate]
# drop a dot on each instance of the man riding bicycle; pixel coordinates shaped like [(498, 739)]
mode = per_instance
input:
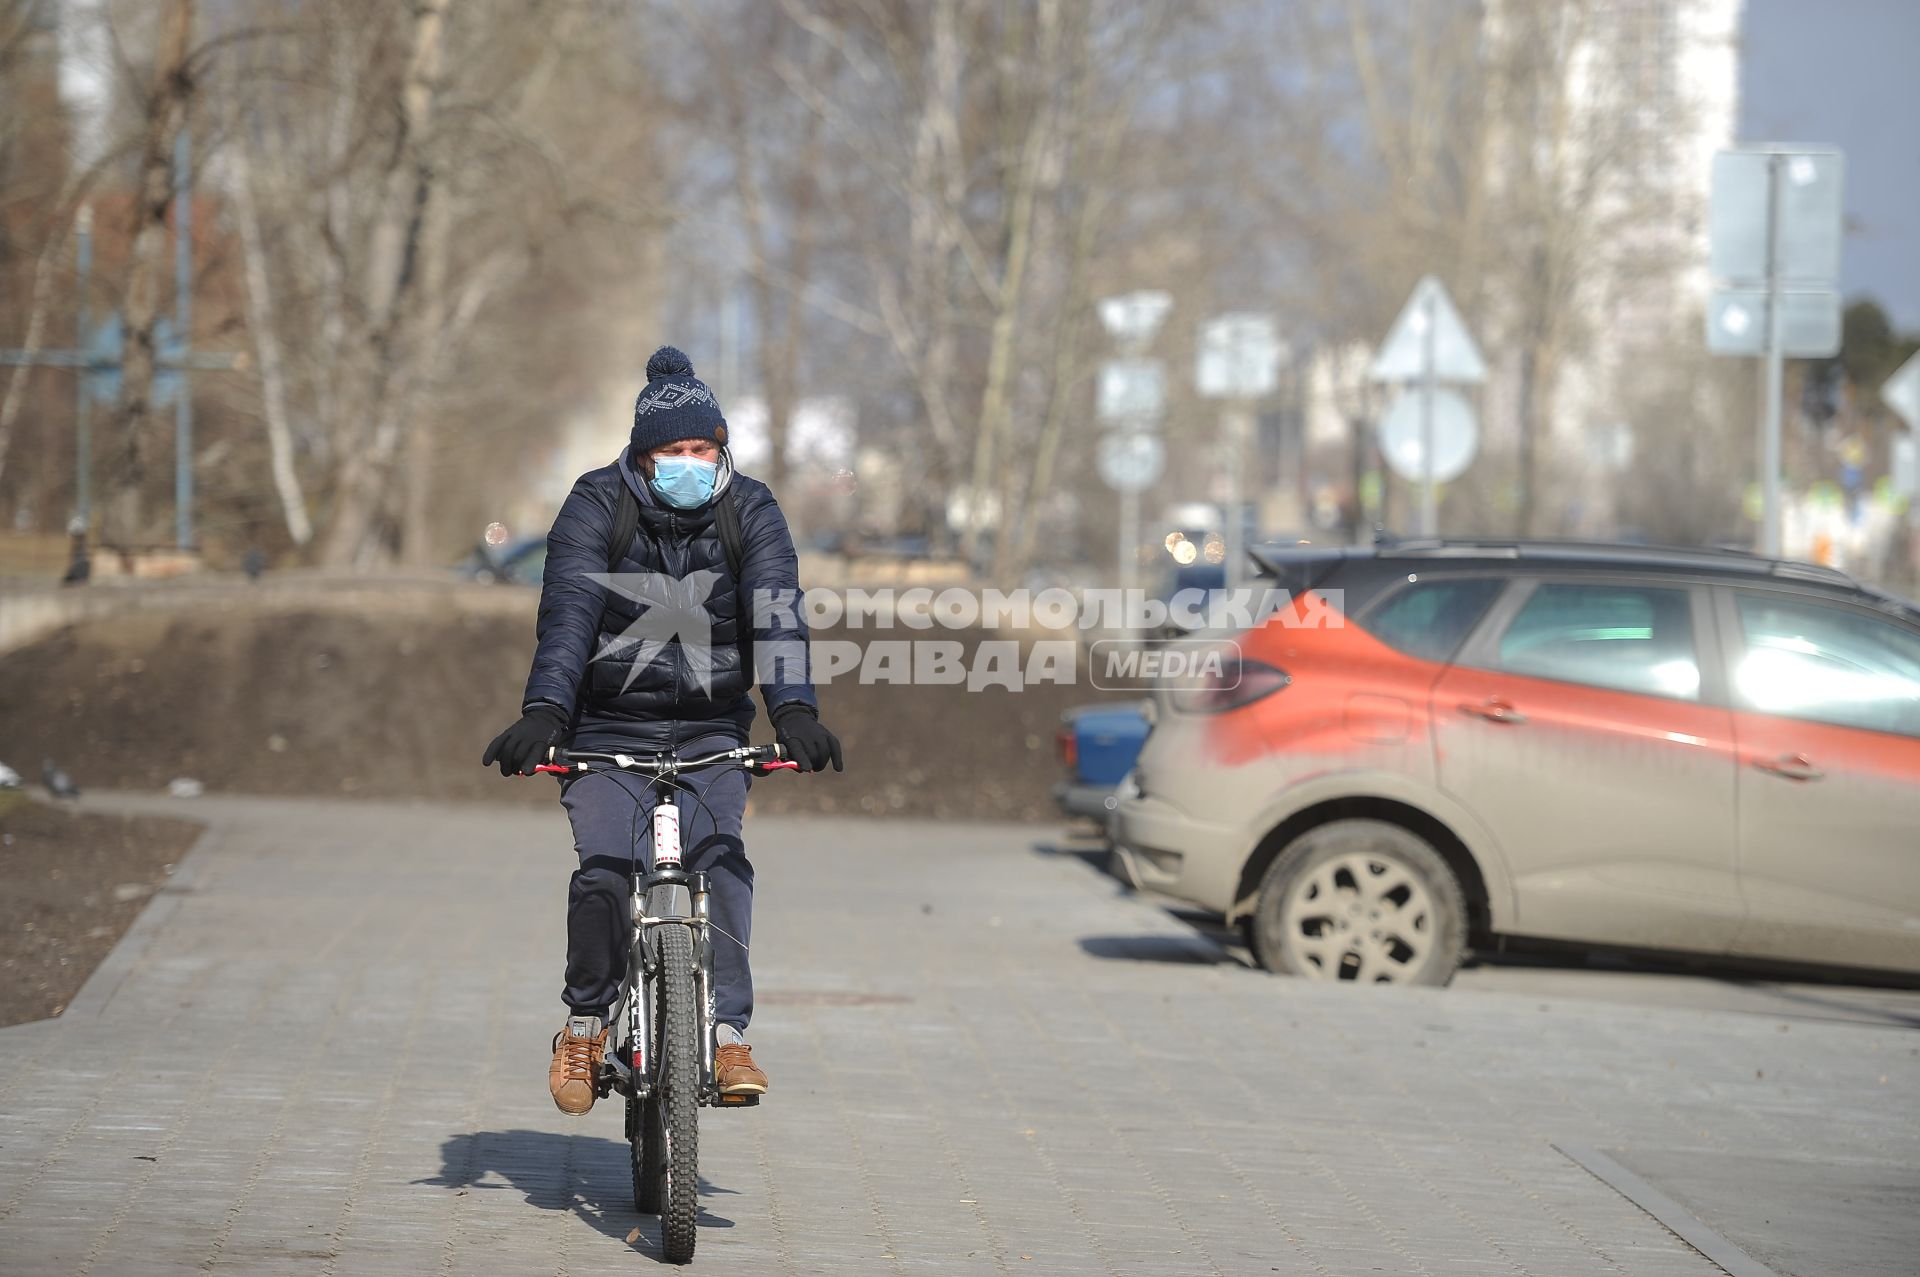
[(671, 582)]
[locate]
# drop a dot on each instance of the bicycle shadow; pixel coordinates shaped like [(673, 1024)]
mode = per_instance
[(585, 1174)]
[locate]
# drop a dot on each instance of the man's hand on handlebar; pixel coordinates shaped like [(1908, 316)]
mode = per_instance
[(527, 742), (804, 739)]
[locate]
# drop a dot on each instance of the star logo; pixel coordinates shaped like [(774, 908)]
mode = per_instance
[(672, 609)]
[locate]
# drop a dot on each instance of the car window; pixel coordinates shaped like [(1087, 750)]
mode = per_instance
[(1631, 638), (1430, 619), (1828, 664)]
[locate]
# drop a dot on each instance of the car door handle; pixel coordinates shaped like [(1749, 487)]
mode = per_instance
[(1495, 710), (1789, 767)]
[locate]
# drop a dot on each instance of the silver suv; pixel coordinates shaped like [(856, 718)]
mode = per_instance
[(1450, 743)]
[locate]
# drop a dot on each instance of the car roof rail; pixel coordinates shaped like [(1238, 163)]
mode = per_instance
[(1793, 569), (1710, 558)]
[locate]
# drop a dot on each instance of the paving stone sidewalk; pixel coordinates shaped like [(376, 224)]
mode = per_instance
[(323, 1051)]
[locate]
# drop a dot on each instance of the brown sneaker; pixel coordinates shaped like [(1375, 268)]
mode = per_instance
[(735, 1071), (577, 1052)]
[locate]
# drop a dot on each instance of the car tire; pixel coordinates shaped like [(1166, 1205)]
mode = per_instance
[(1363, 901)]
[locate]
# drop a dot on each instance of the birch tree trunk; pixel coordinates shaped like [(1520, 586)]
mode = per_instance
[(266, 347)]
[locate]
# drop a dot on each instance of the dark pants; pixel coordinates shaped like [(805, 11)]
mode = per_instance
[(612, 815)]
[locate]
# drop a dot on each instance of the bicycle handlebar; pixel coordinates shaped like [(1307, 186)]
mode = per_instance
[(758, 759)]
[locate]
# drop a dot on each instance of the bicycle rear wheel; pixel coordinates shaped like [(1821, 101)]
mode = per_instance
[(678, 1102)]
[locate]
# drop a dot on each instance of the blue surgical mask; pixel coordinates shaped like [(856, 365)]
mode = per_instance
[(684, 483)]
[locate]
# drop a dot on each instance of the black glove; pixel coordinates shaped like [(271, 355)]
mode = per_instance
[(525, 744), (804, 740)]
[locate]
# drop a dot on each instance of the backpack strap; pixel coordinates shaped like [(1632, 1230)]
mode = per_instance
[(726, 520), (733, 543), (626, 525)]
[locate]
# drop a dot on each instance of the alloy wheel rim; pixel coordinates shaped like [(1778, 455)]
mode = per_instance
[(1362, 916)]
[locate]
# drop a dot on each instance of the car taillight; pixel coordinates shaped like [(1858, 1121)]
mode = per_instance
[(1068, 746), (1238, 681)]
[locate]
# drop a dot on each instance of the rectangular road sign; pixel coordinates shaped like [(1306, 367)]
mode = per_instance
[(1239, 357), (1810, 215), (1809, 323), (1132, 392)]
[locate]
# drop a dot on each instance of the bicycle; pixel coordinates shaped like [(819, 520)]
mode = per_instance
[(660, 1055)]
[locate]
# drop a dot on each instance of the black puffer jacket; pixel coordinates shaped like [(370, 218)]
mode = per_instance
[(631, 665)]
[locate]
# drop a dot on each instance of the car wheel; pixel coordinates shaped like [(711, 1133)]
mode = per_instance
[(1360, 900)]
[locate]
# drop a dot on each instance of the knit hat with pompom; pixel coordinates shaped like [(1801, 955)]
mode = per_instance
[(675, 405)]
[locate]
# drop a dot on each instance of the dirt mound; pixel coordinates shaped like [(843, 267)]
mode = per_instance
[(400, 702)]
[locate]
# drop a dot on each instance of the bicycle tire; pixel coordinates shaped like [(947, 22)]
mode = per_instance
[(679, 1094)]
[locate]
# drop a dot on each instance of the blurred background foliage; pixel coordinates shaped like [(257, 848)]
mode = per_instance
[(442, 237)]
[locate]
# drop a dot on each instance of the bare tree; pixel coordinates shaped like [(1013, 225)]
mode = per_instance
[(448, 223), (166, 112), (383, 386)]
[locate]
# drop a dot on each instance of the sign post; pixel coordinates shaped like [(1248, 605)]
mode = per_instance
[(1129, 462), (1774, 227), (1770, 541), (1429, 344), (1132, 398), (1239, 362)]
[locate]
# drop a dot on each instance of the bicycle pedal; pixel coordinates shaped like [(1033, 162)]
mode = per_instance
[(736, 1101)]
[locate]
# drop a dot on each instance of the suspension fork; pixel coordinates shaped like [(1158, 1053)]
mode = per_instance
[(703, 951), (642, 963), (640, 966)]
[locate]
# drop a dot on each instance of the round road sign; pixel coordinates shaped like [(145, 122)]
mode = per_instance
[(1456, 436)]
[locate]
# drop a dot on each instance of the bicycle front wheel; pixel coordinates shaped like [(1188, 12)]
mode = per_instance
[(678, 1103)]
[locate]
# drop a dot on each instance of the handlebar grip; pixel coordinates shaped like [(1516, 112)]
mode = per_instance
[(778, 767), (556, 769)]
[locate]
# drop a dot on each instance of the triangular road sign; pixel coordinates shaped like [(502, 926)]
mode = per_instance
[(1902, 392), (1403, 356)]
